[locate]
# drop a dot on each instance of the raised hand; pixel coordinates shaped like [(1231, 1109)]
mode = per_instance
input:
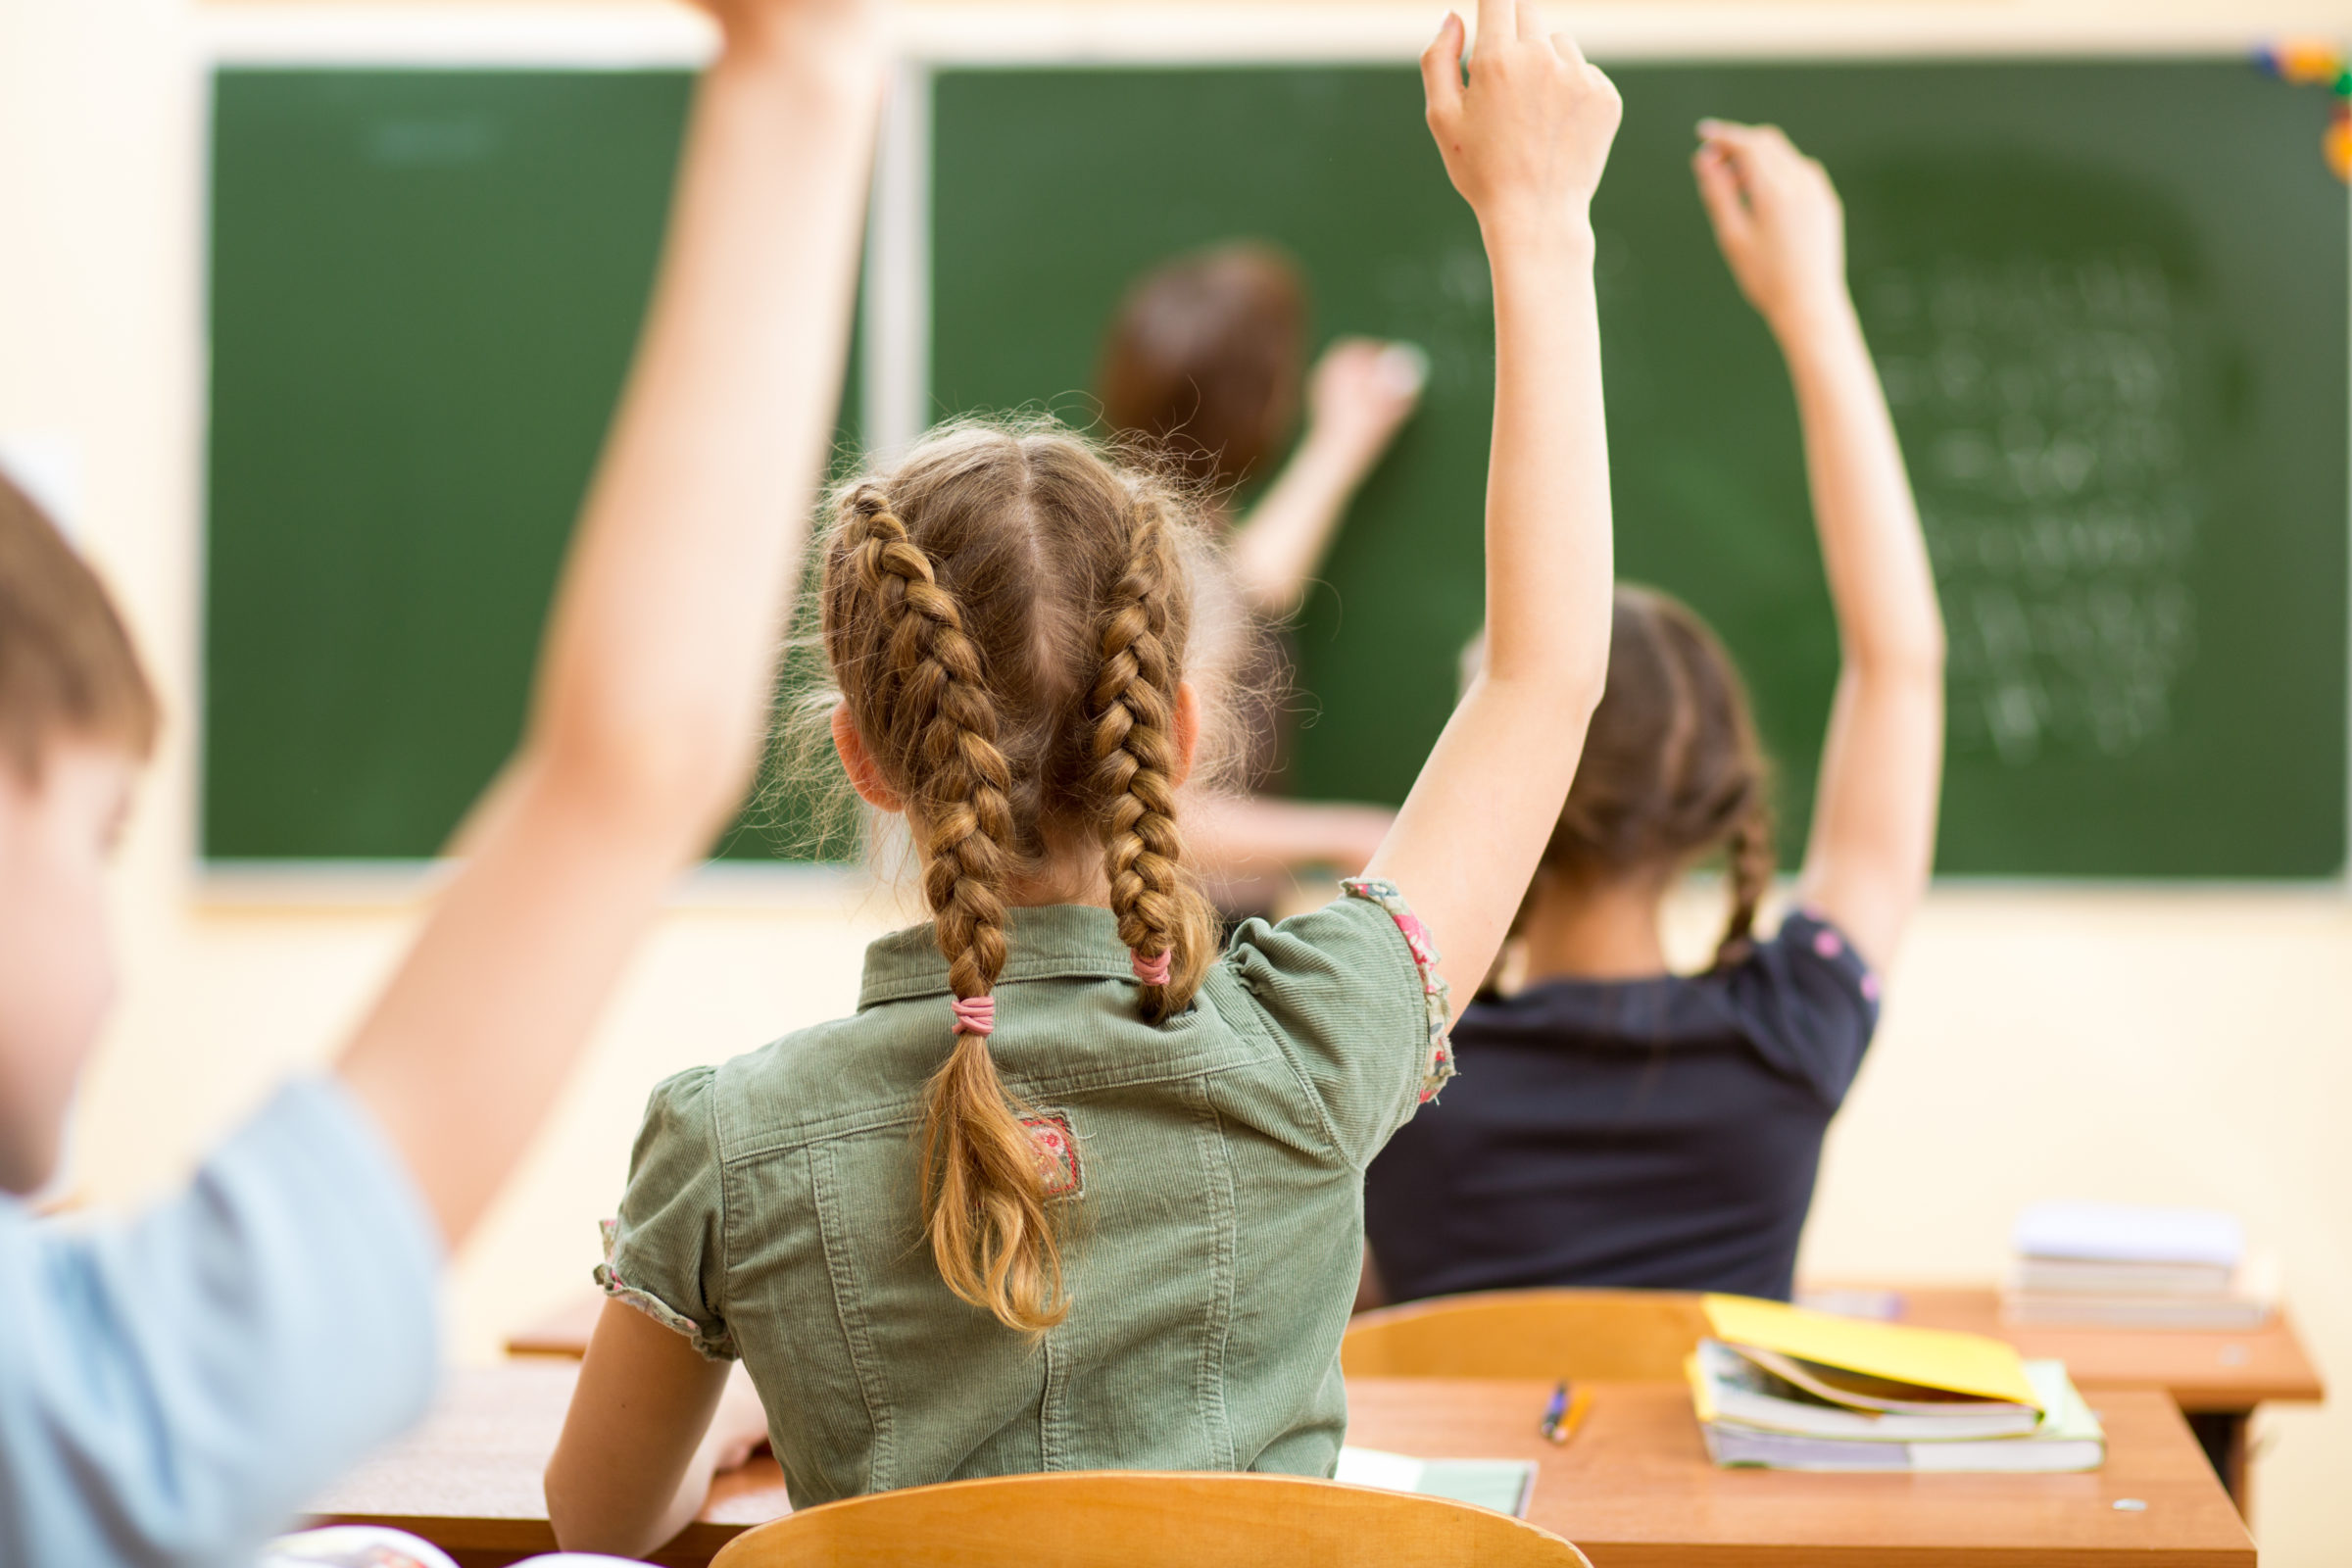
[(1361, 391), (1530, 134), (1525, 142), (1779, 221), (1783, 231)]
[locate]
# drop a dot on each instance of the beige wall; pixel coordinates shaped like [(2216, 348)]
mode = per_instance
[(2164, 1046)]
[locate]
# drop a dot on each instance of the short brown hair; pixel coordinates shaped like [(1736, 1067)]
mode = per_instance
[(67, 664), (1007, 614), (1205, 357), (1672, 769)]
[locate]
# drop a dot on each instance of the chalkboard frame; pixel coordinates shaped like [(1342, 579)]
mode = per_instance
[(895, 358)]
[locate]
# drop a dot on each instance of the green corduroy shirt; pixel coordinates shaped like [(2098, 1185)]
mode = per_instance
[(1211, 1179)]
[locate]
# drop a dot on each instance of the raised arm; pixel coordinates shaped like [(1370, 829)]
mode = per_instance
[(1525, 143), (1360, 393), (655, 672), (1873, 838)]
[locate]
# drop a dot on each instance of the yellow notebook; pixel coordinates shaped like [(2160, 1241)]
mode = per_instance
[(1932, 1359)]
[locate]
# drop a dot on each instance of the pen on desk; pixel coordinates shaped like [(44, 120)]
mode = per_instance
[(1564, 1411)]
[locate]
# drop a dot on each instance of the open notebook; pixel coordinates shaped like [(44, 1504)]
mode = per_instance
[(1502, 1484)]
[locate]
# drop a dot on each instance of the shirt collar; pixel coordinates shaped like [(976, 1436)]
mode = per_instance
[(1053, 942)]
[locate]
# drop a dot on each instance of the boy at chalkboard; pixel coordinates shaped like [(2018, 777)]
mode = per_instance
[(174, 1385), (1616, 1124)]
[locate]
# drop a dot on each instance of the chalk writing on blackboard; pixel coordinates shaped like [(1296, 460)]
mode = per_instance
[(1451, 298), (2040, 404)]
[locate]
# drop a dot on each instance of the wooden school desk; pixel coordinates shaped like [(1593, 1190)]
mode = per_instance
[(2216, 1379), (1632, 1487)]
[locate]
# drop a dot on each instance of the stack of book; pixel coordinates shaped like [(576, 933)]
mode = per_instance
[(1786, 1389), (2118, 1265)]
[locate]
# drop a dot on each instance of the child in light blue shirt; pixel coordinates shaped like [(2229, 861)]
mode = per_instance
[(173, 1386)]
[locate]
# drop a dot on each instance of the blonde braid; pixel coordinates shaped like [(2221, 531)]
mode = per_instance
[(984, 1190), (1163, 919)]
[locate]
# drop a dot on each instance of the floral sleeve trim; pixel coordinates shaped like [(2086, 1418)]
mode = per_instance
[(1434, 993), (1831, 945), (719, 1347)]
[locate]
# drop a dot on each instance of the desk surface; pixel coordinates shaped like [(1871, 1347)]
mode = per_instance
[(2202, 1371), (1633, 1489), (2199, 1369)]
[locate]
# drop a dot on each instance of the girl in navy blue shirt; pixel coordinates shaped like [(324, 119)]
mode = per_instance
[(1618, 1124)]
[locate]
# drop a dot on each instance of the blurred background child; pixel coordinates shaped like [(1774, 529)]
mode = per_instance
[(1204, 363), (1617, 1123)]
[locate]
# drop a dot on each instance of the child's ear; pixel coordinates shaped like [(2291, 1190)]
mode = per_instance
[(865, 777), (1187, 730)]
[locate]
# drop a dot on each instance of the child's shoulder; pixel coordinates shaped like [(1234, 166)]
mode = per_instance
[(1809, 952), (1807, 1000), (1370, 924), (823, 1080), (1363, 949)]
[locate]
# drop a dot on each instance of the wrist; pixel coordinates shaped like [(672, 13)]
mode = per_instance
[(1822, 319), (1343, 452), (1553, 231)]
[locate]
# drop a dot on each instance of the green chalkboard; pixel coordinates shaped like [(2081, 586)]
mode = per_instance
[(2109, 300), (425, 287)]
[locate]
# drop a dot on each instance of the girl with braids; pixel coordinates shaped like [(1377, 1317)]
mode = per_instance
[(1072, 1189), (1619, 1124)]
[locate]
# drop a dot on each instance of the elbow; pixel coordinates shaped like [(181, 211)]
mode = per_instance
[(1578, 686), (1564, 678), (1565, 694), (582, 1522), (672, 774), (1915, 656), (572, 1529)]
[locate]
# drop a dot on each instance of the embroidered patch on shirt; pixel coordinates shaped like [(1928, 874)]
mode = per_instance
[(1435, 994), (1057, 1155)]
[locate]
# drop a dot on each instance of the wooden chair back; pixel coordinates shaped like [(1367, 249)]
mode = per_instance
[(1606, 1336), (1147, 1519)]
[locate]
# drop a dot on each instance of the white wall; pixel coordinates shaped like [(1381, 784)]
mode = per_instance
[(2166, 1045)]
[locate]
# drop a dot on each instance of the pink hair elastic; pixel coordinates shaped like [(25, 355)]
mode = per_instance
[(1151, 971), (976, 1015)]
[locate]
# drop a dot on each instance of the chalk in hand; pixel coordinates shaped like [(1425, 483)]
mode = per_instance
[(1406, 367)]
